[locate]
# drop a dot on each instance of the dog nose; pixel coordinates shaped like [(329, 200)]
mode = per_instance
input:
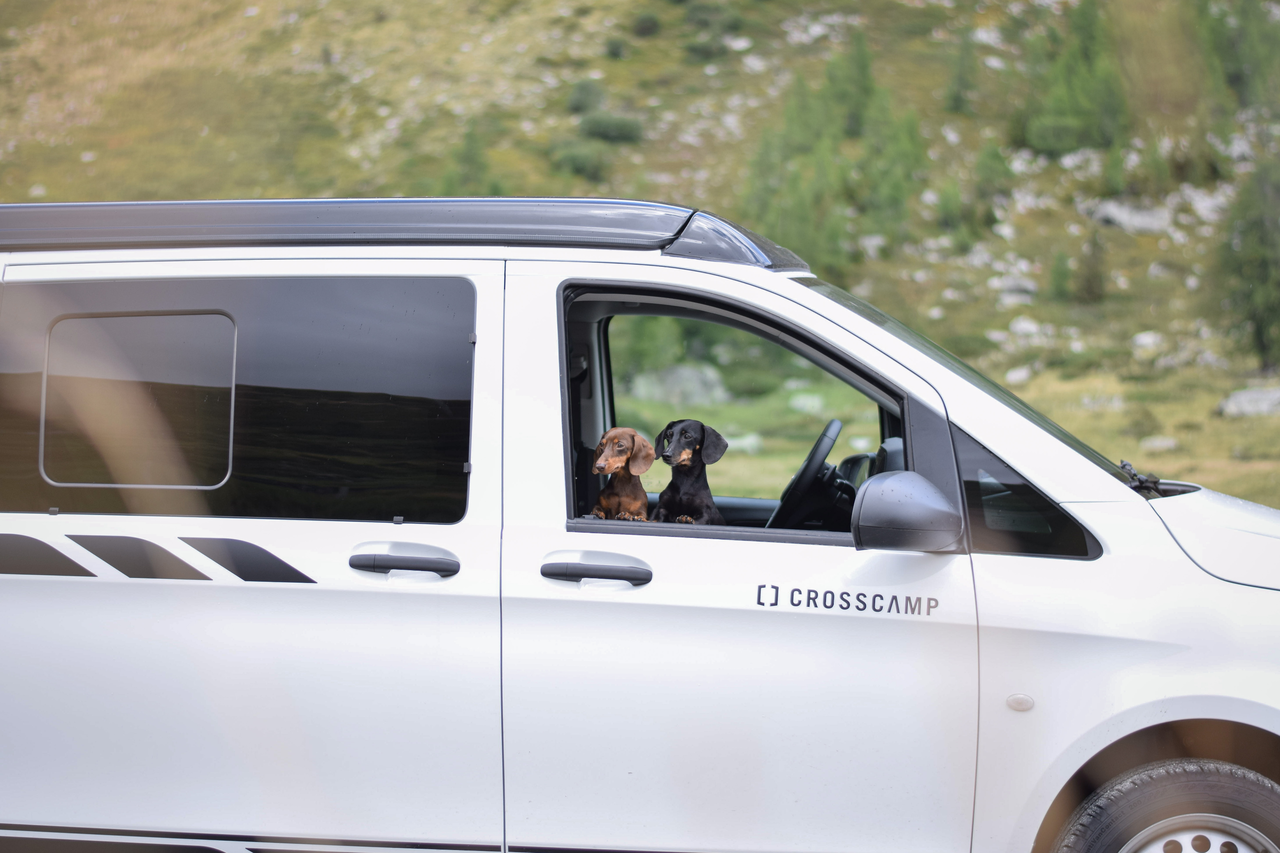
[(599, 466)]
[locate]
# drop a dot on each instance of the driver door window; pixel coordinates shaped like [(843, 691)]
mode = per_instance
[(770, 403)]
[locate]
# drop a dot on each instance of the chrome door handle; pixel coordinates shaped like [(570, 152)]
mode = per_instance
[(386, 562), (633, 575)]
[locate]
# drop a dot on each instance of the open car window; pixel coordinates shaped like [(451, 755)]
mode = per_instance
[(762, 397), (768, 403)]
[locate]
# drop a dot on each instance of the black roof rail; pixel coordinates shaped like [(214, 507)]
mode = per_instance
[(581, 223)]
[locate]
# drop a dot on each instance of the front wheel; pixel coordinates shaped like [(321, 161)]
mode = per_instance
[(1180, 806)]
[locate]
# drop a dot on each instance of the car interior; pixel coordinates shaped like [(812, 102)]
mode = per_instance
[(642, 359)]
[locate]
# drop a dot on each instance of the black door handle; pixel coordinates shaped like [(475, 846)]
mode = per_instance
[(386, 562), (633, 575)]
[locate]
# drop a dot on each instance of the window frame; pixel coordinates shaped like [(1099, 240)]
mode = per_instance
[(918, 420)]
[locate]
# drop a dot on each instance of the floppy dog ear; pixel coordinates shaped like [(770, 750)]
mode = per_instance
[(660, 443), (642, 455), (713, 445)]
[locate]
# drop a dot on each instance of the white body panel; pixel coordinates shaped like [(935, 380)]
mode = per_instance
[(1107, 647), (362, 706), (692, 713)]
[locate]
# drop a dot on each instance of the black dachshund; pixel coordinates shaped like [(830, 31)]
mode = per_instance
[(688, 447)]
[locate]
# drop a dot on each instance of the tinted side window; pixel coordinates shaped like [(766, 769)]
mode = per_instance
[(1007, 515), (292, 398)]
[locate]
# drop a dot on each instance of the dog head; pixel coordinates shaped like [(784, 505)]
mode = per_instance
[(682, 443), (623, 446)]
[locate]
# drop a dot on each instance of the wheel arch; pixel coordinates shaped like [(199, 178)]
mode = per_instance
[(1239, 743)]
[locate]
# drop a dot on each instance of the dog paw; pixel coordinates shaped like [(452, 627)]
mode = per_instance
[(684, 519), (625, 516), (598, 513)]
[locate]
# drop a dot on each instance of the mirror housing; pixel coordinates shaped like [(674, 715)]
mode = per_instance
[(902, 511)]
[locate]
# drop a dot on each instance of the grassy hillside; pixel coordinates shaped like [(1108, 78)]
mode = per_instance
[(125, 99)]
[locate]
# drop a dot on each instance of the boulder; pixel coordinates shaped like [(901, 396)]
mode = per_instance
[(1251, 402)]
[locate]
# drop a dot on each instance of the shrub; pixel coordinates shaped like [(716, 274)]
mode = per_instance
[(610, 127), (585, 97), (646, 24), (586, 158), (715, 17), (704, 50), (615, 48)]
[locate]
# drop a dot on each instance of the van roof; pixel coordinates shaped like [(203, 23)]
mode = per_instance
[(581, 223)]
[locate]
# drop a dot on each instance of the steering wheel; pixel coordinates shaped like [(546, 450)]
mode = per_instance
[(792, 500)]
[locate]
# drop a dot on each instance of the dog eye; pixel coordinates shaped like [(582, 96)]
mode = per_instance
[(686, 435)]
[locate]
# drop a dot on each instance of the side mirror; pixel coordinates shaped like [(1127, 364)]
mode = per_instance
[(902, 511)]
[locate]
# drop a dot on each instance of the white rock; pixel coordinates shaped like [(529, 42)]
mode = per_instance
[(1024, 325), (1158, 444), (809, 404), (37, 191), (1146, 344), (871, 244), (1134, 220), (995, 63), (750, 444), (1012, 283), (1252, 402), (682, 385), (990, 36), (1018, 375)]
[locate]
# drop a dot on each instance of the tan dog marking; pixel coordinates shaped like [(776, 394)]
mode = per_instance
[(624, 455)]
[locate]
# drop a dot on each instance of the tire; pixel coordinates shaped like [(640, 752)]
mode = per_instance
[(1181, 806)]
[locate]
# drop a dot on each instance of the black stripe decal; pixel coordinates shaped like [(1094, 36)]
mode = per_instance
[(158, 847), (247, 561), (138, 558), (11, 844), (22, 555)]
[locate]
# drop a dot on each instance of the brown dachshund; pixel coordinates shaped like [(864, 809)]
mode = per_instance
[(623, 454)]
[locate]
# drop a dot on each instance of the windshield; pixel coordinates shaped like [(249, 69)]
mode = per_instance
[(867, 311)]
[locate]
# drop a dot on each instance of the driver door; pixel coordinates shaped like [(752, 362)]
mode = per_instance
[(765, 690)]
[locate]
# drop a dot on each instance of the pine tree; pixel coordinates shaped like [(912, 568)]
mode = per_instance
[(1250, 261), (1079, 100), (1091, 284), (850, 84), (963, 76), (1060, 277)]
